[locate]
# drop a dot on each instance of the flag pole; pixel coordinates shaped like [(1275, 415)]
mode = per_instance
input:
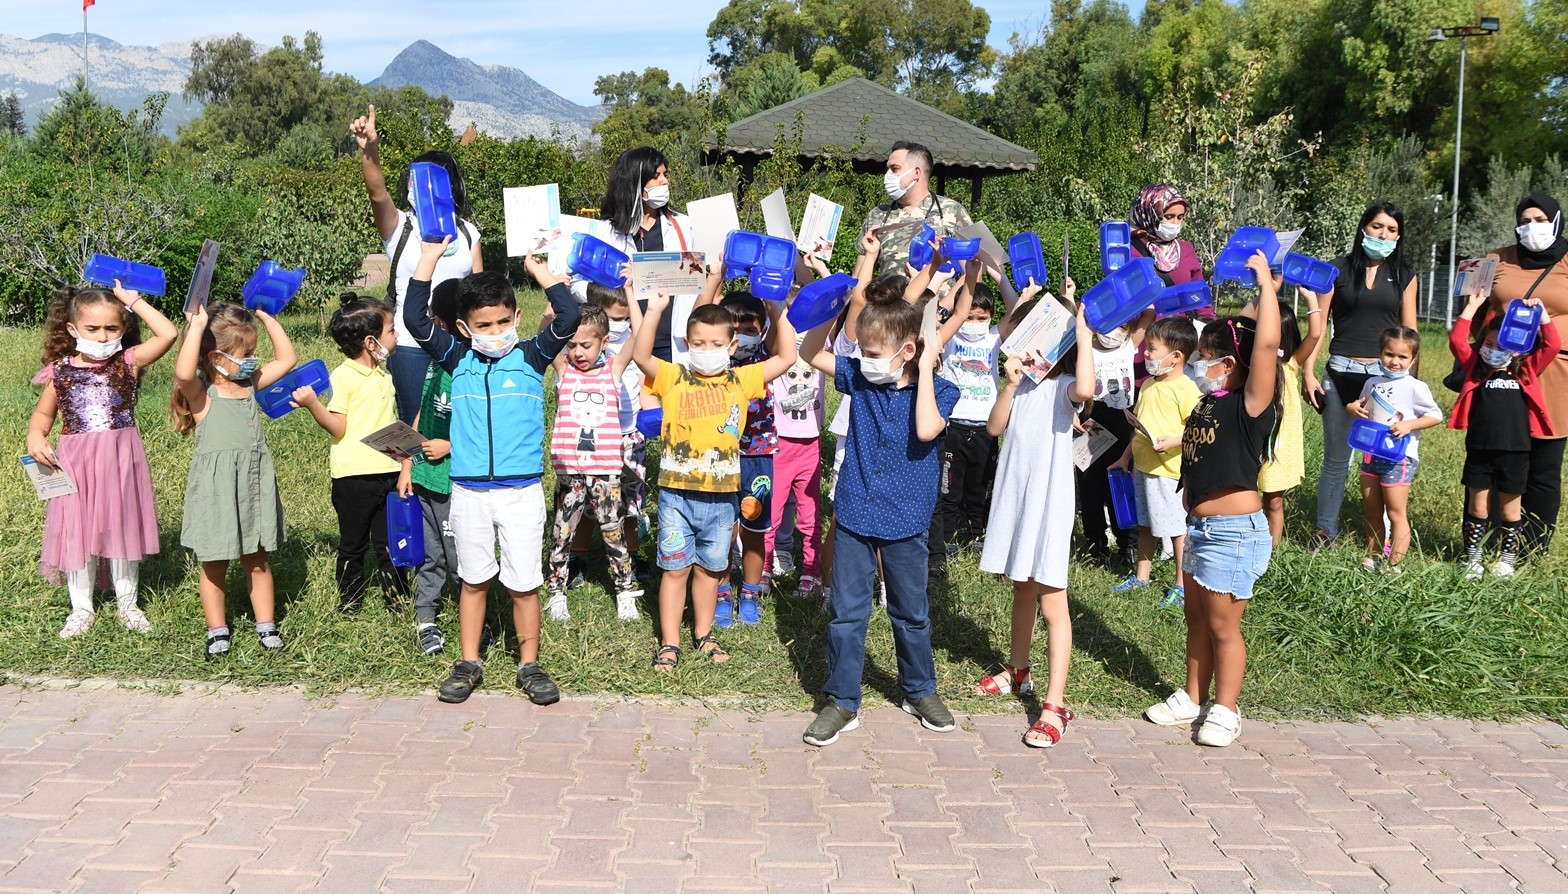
[(84, 45)]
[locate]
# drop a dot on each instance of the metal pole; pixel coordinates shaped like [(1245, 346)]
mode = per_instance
[(1431, 279), (1453, 236), (84, 47)]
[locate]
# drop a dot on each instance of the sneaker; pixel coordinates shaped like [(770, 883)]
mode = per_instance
[(466, 676), (1501, 568), (1175, 597), (724, 613), (1390, 568), (808, 587), (783, 563), (932, 713), (766, 586), (1133, 582), (641, 570), (626, 605), (431, 642), (532, 679), (749, 611), (218, 645), (77, 623), (831, 721), (1473, 571), (134, 620), (556, 606), (1220, 727), (1320, 540), (576, 572), (270, 638), (1369, 565), (1177, 710)]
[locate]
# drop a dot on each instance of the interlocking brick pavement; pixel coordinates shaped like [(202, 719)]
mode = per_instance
[(209, 791)]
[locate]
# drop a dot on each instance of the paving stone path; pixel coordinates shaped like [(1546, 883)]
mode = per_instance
[(118, 790)]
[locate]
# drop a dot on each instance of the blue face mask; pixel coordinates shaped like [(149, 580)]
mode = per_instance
[(1390, 374), (247, 367), (1376, 248), (1496, 358)]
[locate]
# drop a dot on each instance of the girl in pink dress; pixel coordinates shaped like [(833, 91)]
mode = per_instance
[(93, 362)]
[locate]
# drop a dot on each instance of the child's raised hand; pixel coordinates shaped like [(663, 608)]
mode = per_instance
[(1083, 322), (126, 296), (1259, 264), (198, 317), (539, 269), (1477, 299), (871, 244), (364, 128), (434, 249), (1030, 291), (1014, 369), (659, 302), (930, 356), (304, 396), (1069, 288)]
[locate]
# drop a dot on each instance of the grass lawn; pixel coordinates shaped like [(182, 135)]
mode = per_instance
[(1326, 639)]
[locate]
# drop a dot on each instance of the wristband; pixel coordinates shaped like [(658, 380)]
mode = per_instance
[(133, 302)]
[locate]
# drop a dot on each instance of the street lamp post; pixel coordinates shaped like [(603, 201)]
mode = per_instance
[(1488, 27)]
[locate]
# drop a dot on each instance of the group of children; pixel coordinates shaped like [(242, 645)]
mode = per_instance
[(917, 467)]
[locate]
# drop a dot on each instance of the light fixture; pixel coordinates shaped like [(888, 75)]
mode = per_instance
[(1490, 23), (1437, 36)]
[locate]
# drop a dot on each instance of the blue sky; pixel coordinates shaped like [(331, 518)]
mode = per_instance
[(564, 46)]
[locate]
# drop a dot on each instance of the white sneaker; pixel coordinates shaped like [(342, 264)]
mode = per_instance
[(1473, 571), (77, 623), (1177, 710), (556, 606), (882, 594), (626, 605), (134, 620), (808, 587), (1502, 569), (783, 563), (1220, 727), (767, 584)]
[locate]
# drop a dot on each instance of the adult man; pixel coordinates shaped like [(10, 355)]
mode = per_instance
[(908, 184)]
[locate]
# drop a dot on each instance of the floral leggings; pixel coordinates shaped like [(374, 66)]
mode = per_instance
[(600, 494)]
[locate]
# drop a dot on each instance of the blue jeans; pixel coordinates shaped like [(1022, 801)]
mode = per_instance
[(407, 365), (1336, 445), (854, 567)]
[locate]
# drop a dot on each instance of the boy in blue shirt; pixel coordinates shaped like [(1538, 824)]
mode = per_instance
[(497, 436), (886, 495)]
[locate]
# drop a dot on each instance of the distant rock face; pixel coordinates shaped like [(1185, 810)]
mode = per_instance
[(503, 102), (37, 70)]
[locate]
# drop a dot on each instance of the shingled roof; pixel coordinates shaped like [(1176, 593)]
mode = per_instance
[(832, 118)]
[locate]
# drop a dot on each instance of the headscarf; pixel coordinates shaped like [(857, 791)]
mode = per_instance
[(1540, 260), (1145, 216)]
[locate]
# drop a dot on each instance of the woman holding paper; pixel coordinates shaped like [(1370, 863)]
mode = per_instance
[(1536, 265), (399, 231), (637, 205)]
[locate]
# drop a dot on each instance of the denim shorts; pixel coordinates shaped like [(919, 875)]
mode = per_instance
[(1228, 553), (1388, 473), (695, 529)]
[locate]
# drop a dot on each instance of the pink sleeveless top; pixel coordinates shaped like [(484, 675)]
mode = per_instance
[(587, 436)]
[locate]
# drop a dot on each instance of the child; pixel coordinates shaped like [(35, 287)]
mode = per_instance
[(362, 403), (431, 481), (1115, 389), (232, 507), (585, 451), (1405, 404), (885, 499), (1030, 531), (622, 315), (969, 360), (1228, 543), (93, 363), (497, 454), (1501, 406), (1162, 409), (699, 471), (1287, 466), (797, 472)]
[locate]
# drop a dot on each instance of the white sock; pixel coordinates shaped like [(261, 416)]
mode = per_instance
[(124, 573), (79, 584)]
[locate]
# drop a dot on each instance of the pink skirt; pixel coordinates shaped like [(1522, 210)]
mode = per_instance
[(112, 515)]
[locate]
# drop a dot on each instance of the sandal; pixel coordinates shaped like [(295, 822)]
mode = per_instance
[(666, 658), (1017, 682), (217, 645), (710, 647), (1052, 734)]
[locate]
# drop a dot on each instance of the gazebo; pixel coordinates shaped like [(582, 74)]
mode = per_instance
[(832, 120)]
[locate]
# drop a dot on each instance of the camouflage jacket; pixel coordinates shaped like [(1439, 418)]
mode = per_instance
[(943, 214)]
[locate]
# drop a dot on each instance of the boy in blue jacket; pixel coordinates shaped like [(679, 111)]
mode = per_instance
[(497, 453)]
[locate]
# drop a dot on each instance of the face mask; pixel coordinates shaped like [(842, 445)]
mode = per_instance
[(657, 196), (619, 328), (1112, 340), (377, 351), (710, 362), (495, 345), (1200, 375), (1376, 248), (1496, 358), (1390, 374), (1167, 231), (894, 185), (881, 371), (746, 345), (1156, 367), (1537, 236), (247, 367), (974, 330), (97, 350)]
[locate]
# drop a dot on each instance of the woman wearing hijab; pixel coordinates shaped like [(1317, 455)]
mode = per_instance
[(1157, 218), (1536, 265)]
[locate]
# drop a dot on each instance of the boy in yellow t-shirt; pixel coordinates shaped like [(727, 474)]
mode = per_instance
[(699, 468), (1162, 409)]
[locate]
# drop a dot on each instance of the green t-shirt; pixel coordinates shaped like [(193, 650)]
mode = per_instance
[(435, 423)]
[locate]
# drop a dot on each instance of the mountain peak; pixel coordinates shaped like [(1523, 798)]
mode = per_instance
[(93, 40)]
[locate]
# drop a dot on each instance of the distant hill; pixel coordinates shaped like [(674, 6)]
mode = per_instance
[(504, 102), (40, 68)]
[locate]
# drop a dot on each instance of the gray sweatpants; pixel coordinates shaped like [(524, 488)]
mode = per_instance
[(440, 564)]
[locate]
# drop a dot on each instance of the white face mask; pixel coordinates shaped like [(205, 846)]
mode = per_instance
[(1157, 367), (619, 328), (1200, 375), (657, 196), (974, 329), (881, 371), (746, 345), (97, 350), (494, 345), (709, 362), (894, 184), (377, 351), (1537, 235), (1112, 340), (1167, 231)]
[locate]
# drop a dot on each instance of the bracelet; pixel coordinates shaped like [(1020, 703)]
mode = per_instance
[(133, 302), (1313, 311)]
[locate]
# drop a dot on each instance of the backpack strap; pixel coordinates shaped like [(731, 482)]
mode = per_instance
[(397, 255)]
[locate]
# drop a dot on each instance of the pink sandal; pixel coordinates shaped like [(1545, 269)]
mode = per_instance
[(1018, 682), (1051, 733)]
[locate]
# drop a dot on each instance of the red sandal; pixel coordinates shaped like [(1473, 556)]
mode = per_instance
[(1051, 733), (1018, 682)]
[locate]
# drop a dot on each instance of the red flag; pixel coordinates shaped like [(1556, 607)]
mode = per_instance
[(87, 3)]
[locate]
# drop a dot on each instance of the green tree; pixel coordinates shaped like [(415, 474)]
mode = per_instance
[(1081, 60), (644, 107), (13, 120), (253, 99)]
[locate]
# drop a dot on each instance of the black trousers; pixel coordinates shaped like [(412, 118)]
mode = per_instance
[(963, 501), (360, 502), (1543, 495), (1094, 487)]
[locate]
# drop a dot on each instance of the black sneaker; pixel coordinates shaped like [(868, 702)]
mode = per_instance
[(532, 679), (831, 721), (576, 573), (641, 570), (431, 642), (466, 676), (932, 713)]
